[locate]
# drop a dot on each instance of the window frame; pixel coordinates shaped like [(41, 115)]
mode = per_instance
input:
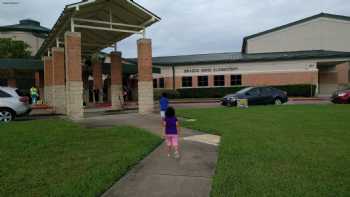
[(199, 82), (234, 81), (190, 81), (222, 81)]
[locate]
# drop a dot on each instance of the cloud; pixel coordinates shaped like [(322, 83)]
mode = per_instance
[(195, 26)]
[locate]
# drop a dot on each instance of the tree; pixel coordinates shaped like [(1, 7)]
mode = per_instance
[(10, 48)]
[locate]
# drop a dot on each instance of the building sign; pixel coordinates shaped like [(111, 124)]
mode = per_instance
[(209, 70)]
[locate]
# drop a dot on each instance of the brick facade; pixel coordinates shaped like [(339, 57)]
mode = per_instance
[(280, 78), (145, 79), (97, 74), (116, 80), (58, 84), (343, 73), (58, 66), (74, 83)]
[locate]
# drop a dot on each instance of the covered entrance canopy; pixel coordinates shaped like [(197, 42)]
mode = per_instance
[(102, 23), (81, 32)]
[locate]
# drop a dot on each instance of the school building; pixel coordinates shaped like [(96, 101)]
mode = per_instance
[(314, 50)]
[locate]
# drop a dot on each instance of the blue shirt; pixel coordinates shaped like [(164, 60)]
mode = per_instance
[(163, 103), (170, 125)]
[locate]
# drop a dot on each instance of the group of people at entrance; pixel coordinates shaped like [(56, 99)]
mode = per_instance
[(170, 125)]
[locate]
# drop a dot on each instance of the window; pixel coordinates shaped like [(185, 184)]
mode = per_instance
[(202, 81), (254, 92), (155, 83), (186, 82), (266, 91), (161, 82), (236, 80), (4, 94), (219, 80)]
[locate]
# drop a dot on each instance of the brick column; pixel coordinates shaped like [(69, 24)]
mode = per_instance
[(37, 79), (227, 80), (11, 82), (343, 73), (145, 83), (97, 75), (210, 80), (116, 80), (74, 82), (48, 91), (58, 84), (194, 81)]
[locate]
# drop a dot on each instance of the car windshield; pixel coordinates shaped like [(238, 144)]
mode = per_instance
[(244, 90)]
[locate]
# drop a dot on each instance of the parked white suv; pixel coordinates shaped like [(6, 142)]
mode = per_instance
[(13, 103)]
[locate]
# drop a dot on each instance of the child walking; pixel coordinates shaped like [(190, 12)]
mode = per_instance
[(171, 131)]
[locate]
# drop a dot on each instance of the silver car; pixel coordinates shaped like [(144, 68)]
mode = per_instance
[(13, 103)]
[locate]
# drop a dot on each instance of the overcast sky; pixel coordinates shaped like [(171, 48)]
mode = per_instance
[(191, 26)]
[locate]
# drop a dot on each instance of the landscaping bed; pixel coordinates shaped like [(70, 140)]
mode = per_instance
[(279, 150), (60, 158)]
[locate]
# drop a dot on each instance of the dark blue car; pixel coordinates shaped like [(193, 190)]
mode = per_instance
[(257, 96)]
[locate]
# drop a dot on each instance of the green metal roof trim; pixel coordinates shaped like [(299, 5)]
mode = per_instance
[(35, 64), (333, 16), (129, 69), (236, 57), (21, 64), (27, 25)]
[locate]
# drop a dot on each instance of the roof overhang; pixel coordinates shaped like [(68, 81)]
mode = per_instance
[(102, 23)]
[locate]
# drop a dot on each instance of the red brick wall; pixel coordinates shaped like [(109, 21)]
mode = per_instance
[(73, 56), (343, 73), (211, 81), (97, 75), (144, 48), (58, 66), (48, 71), (116, 68), (280, 78)]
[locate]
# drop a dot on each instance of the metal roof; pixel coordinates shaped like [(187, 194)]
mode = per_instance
[(27, 25), (326, 15), (236, 57), (35, 64), (102, 23), (21, 64)]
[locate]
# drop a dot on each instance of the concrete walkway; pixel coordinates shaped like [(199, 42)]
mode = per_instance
[(158, 175)]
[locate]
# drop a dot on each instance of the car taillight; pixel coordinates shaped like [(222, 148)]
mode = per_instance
[(24, 99)]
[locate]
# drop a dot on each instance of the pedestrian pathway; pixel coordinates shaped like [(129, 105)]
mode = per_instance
[(158, 175)]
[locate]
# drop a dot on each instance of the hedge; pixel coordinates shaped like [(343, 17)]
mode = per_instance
[(305, 90)]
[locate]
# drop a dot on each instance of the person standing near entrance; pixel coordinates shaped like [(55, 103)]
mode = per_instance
[(34, 94), (163, 104)]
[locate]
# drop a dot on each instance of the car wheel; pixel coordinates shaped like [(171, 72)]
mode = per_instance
[(6, 115), (278, 101)]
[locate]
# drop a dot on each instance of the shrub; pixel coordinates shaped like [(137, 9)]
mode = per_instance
[(208, 92), (172, 94)]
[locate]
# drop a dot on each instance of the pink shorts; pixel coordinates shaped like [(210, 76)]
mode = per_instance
[(172, 140)]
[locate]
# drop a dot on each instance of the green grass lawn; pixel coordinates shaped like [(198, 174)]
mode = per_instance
[(60, 158), (301, 150)]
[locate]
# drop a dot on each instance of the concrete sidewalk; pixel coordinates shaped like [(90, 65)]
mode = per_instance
[(158, 175)]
